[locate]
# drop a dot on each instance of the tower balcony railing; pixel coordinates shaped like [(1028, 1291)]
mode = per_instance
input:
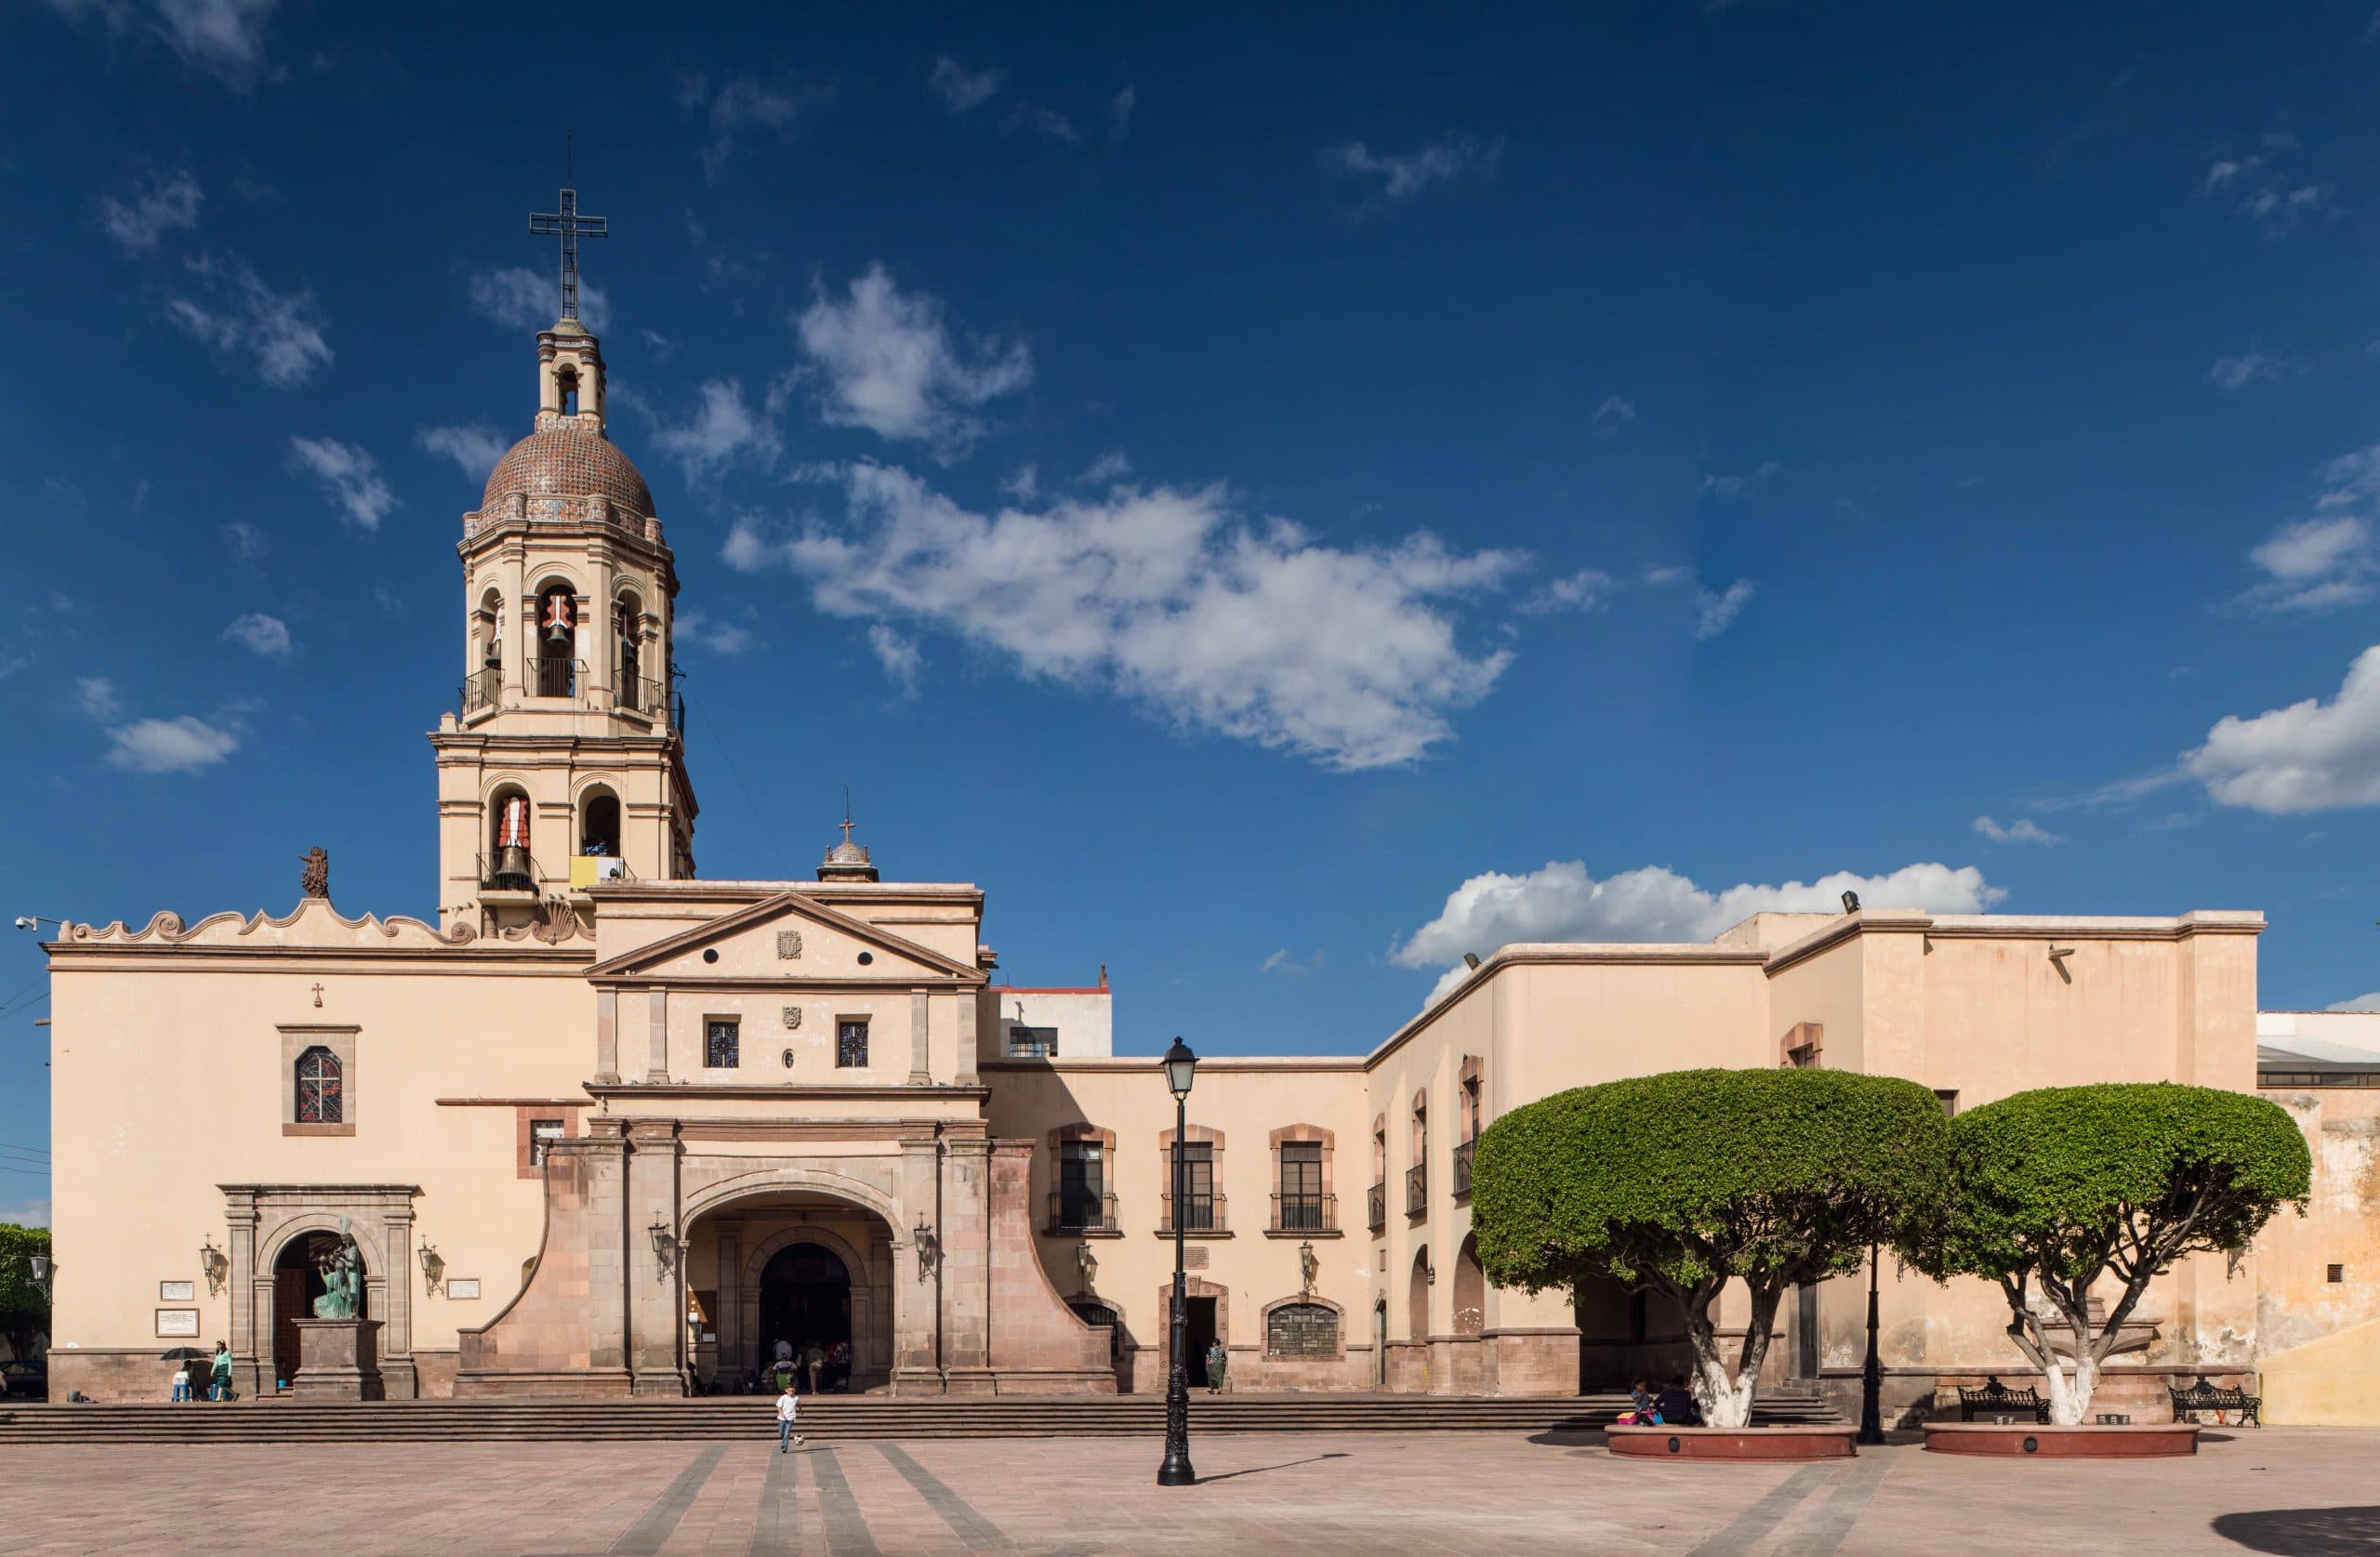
[(480, 688), (1304, 1211), (1417, 1190), (1200, 1213), (1376, 1207), (558, 678), (1462, 1155), (644, 694), (509, 870), (1081, 1210)]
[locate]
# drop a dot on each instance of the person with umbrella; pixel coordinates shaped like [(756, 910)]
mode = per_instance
[(181, 1355)]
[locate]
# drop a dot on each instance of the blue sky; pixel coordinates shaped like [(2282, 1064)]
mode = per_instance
[(1278, 500)]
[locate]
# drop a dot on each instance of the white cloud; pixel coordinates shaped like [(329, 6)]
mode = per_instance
[(243, 541), (2255, 366), (2253, 184), (240, 316), (349, 477), (1119, 110), (1047, 123), (1113, 465), (722, 430), (1288, 964), (162, 203), (898, 653), (29, 1213), (474, 449), (1024, 484), (1405, 177), (733, 108), (226, 36), (2315, 564), (1733, 488), (95, 694), (1613, 414), (1257, 632), (266, 637), (694, 625), (2019, 831), (2309, 756), (961, 89), (885, 361), (184, 745), (1561, 902), (1714, 612), (521, 298), (2362, 1002), (1584, 590)]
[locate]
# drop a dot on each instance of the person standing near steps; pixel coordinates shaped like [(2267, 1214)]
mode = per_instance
[(788, 1406)]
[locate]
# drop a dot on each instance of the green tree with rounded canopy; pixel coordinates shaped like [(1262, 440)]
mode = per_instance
[(1682, 1182), (24, 1307), (2054, 1191)]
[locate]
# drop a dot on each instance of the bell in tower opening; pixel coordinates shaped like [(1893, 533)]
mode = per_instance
[(513, 872)]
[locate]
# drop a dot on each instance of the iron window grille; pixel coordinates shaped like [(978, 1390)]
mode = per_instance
[(1417, 1190), (1376, 1210), (1302, 1330), (1462, 1155), (1305, 1213)]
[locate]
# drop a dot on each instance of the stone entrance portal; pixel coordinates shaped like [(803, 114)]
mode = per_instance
[(795, 1269)]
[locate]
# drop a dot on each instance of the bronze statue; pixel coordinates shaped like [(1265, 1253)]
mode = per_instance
[(317, 877), (342, 1279)]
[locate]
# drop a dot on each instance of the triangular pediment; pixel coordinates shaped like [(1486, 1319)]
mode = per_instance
[(789, 935)]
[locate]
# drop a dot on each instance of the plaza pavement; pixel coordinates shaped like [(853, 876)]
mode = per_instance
[(2309, 1491)]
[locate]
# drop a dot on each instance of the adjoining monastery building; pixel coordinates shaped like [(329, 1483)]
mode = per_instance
[(612, 1127)]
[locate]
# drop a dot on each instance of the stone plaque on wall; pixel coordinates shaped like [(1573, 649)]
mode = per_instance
[(462, 1287), (788, 945), (178, 1321), (1193, 1260), (792, 1018)]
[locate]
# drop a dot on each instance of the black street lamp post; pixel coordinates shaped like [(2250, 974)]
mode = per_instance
[(1872, 1372), (1180, 1067)]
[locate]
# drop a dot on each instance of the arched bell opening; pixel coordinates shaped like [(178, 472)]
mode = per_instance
[(598, 823), (558, 666), (508, 865)]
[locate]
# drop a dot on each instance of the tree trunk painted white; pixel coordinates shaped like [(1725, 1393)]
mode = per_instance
[(1725, 1398)]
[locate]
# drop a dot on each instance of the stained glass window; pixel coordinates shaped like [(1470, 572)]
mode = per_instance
[(850, 1042), (321, 1099), (721, 1036)]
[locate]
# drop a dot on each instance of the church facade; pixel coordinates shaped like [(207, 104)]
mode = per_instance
[(612, 1127)]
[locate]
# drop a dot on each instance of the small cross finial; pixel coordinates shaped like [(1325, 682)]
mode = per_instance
[(569, 226), (318, 995), (847, 814)]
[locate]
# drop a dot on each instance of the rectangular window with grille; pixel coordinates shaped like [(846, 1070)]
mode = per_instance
[(722, 1042), (850, 1042), (542, 1133), (1198, 1211), (1082, 1180), (1032, 1043), (1301, 1187)]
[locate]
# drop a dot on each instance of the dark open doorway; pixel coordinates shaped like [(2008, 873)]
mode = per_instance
[(806, 1300), (297, 1282), (1200, 1336)]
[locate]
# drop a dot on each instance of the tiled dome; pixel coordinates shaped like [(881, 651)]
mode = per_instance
[(564, 460)]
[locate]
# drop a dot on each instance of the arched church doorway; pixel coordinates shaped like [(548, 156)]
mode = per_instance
[(806, 1302), (297, 1282)]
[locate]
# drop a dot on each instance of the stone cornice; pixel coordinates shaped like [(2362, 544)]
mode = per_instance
[(788, 1092), (1221, 1064), (779, 905), (312, 932)]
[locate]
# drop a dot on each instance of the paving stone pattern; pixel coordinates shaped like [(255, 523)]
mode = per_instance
[(2294, 1490)]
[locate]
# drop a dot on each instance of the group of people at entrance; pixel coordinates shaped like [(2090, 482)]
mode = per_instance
[(217, 1384), (820, 1368)]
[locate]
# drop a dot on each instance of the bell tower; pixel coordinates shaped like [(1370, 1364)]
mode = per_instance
[(563, 764)]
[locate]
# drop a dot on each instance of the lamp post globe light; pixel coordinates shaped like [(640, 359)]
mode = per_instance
[(1180, 1067)]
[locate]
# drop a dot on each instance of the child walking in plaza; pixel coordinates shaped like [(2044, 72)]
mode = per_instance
[(789, 1405)]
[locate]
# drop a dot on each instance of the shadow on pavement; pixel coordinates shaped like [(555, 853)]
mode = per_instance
[(1260, 1470), (2305, 1532)]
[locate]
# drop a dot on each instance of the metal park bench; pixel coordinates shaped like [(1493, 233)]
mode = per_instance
[(2204, 1396), (1996, 1399)]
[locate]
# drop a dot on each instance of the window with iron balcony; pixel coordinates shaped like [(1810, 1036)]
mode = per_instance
[(1080, 1203), (1300, 1204), (1376, 1209), (1197, 1204), (1417, 1190)]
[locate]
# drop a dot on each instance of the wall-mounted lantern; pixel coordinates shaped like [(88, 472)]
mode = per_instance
[(664, 1246), (215, 1264), (433, 1267), (929, 1249)]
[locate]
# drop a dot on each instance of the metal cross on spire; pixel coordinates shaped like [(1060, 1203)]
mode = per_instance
[(847, 814), (570, 227)]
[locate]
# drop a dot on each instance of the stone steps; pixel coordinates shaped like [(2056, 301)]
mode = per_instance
[(829, 1417)]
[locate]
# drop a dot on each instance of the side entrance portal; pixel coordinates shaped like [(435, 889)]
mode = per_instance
[(806, 1302)]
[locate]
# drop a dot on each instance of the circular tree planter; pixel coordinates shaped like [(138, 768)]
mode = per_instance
[(1631, 1442), (2029, 1441)]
